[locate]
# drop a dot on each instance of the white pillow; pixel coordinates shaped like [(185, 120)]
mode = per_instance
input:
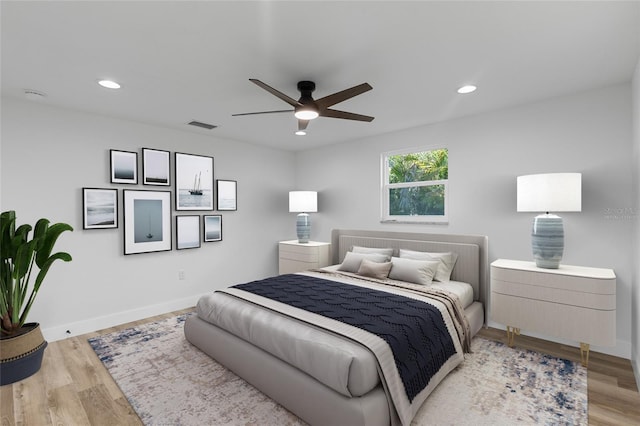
[(372, 269), (413, 271), (385, 251), (447, 261), (351, 262)]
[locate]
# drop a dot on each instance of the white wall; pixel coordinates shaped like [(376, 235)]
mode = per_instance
[(587, 132), (635, 300), (50, 154)]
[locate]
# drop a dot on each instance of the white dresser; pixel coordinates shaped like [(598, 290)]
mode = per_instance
[(571, 302), (296, 257)]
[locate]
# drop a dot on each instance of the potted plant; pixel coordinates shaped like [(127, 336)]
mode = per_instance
[(22, 344)]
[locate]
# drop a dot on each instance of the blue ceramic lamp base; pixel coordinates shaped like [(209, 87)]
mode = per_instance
[(547, 241), (303, 227)]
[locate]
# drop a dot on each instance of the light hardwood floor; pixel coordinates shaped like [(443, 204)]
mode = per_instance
[(74, 388)]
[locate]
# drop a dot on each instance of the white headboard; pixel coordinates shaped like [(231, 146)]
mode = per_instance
[(471, 266)]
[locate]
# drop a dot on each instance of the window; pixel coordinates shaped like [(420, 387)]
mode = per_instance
[(414, 186)]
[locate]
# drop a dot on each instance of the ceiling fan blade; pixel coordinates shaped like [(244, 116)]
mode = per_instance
[(343, 95), (334, 113), (262, 112), (302, 124), (275, 92)]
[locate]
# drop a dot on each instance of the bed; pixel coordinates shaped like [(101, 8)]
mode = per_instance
[(274, 333)]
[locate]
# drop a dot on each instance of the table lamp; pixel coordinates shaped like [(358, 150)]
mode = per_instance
[(551, 192), (303, 202)]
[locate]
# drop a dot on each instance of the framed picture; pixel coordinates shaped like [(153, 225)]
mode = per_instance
[(227, 194), (212, 227), (155, 167), (99, 208), (124, 167), (147, 221), (194, 182), (188, 232)]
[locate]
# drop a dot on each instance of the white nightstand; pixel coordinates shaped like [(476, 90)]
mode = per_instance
[(296, 257), (571, 302)]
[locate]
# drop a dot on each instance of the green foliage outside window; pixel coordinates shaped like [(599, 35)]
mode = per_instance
[(419, 197)]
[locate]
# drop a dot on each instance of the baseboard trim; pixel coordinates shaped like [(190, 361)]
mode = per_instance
[(89, 325)]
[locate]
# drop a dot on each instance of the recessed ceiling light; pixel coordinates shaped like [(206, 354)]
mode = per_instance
[(301, 133), (109, 84), (467, 89)]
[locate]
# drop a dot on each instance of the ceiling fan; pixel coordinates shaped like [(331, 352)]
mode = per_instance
[(306, 108)]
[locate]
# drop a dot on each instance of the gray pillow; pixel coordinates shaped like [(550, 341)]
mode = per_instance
[(372, 269), (413, 271), (447, 261), (385, 251), (351, 262)]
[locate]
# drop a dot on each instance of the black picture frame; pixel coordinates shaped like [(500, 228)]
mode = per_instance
[(156, 167), (147, 221), (212, 225), (194, 182), (227, 195), (187, 232), (99, 208), (124, 167)]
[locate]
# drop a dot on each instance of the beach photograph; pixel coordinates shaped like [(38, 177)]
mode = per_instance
[(188, 232), (212, 228), (227, 194), (100, 208), (194, 182), (124, 167), (155, 167)]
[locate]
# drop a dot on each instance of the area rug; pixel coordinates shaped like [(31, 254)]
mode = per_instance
[(170, 382)]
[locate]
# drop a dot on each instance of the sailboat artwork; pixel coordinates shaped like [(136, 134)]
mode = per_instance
[(194, 179), (196, 190)]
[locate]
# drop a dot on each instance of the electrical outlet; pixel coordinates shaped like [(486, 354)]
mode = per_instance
[(181, 274)]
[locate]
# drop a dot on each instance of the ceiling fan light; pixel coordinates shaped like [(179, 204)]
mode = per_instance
[(306, 114), (301, 133)]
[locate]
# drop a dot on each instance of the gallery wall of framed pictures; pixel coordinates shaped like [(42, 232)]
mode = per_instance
[(149, 214)]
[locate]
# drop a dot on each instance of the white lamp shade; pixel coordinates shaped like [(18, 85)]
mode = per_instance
[(303, 201), (550, 192)]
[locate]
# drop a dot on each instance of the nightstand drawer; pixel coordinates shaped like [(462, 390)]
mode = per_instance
[(295, 257), (310, 256), (556, 319), (600, 284), (555, 294)]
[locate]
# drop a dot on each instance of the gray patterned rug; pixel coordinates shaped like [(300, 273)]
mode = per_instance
[(170, 382)]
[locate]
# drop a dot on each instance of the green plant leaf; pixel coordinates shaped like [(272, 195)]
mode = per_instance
[(49, 240)]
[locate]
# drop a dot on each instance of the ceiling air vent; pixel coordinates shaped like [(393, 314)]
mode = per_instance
[(201, 124)]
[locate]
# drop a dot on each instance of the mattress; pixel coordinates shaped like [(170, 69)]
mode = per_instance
[(338, 362)]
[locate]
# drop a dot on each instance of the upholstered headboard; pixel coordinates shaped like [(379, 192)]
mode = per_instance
[(471, 266)]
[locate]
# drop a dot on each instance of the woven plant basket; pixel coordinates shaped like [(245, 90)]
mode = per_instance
[(21, 355)]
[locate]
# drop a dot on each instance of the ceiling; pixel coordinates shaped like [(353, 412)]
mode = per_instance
[(179, 61)]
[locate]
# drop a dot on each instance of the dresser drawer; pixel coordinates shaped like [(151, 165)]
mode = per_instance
[(557, 279), (555, 294)]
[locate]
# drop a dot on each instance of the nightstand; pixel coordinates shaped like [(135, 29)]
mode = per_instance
[(296, 257), (571, 302)]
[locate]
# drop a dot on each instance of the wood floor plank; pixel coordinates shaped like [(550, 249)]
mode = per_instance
[(65, 406), (30, 403), (101, 409), (6, 404)]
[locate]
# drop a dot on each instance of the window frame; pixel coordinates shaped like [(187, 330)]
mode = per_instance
[(385, 188)]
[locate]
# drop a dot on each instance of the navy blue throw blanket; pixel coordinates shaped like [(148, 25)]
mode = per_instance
[(415, 331)]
